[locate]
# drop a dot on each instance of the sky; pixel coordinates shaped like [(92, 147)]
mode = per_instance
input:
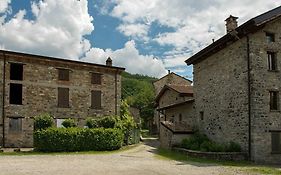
[(147, 37)]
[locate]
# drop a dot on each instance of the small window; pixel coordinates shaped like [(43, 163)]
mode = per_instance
[(180, 118), (16, 94), (202, 115), (16, 71), (270, 37), (63, 97), (96, 78), (275, 142), (15, 125), (63, 74), (96, 99), (272, 62), (274, 100), (59, 123)]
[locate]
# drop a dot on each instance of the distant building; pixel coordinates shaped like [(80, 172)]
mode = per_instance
[(237, 85), (161, 86), (33, 84)]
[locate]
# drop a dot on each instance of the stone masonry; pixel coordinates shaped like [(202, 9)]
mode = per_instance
[(40, 92), (229, 90)]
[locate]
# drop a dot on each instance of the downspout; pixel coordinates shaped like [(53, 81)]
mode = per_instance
[(3, 99), (116, 91), (249, 98)]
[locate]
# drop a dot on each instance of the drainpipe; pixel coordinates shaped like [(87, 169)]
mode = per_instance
[(3, 99), (116, 91), (249, 99)]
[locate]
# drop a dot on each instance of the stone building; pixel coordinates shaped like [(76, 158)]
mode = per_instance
[(175, 104), (32, 85), (170, 79), (236, 86)]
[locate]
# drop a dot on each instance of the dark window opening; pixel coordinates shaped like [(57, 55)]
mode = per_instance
[(96, 99), (275, 142), (15, 125), (96, 78), (274, 100), (270, 37), (16, 71), (16, 94), (201, 115), (180, 118), (63, 97), (63, 74), (272, 62)]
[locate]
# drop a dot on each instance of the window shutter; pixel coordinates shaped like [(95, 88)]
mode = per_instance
[(63, 74), (96, 99), (63, 97), (96, 78), (275, 142)]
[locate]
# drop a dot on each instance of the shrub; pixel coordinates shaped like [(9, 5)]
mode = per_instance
[(201, 142), (104, 122), (69, 123), (77, 139), (43, 121)]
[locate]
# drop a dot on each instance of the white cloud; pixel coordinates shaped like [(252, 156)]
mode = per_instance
[(4, 4), (196, 22), (57, 30), (130, 58), (138, 31)]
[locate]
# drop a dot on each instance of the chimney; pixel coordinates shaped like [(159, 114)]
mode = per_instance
[(109, 61), (231, 23), (169, 71)]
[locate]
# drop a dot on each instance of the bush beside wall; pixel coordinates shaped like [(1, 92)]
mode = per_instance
[(77, 139)]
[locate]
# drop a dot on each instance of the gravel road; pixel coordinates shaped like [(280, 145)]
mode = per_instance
[(140, 160)]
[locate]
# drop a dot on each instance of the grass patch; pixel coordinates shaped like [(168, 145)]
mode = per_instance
[(25, 153), (242, 165)]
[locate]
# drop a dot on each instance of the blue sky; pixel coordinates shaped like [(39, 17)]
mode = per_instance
[(146, 37)]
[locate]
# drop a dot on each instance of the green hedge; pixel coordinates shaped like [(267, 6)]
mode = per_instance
[(68, 123), (201, 142), (43, 121), (77, 139)]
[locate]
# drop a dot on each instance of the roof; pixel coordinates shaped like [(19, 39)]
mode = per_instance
[(58, 59), (176, 105), (182, 90), (250, 26), (172, 73)]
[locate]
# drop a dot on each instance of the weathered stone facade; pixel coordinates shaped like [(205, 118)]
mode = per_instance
[(170, 79), (1, 99), (232, 84), (40, 92)]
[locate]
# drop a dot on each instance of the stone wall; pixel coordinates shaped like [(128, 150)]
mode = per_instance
[(264, 120), (171, 97), (220, 92), (170, 79), (1, 99), (40, 83)]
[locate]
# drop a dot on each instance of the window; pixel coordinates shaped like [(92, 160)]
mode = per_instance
[(270, 37), (59, 123), (274, 100), (275, 142), (180, 118), (63, 74), (96, 78), (96, 99), (16, 94), (202, 115), (15, 125), (16, 71), (63, 97), (272, 62)]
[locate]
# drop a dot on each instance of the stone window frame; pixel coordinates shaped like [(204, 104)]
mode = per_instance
[(277, 109), (62, 76), (276, 134), (19, 128), (272, 63), (270, 37)]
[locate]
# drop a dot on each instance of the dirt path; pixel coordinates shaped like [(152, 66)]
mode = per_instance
[(137, 161)]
